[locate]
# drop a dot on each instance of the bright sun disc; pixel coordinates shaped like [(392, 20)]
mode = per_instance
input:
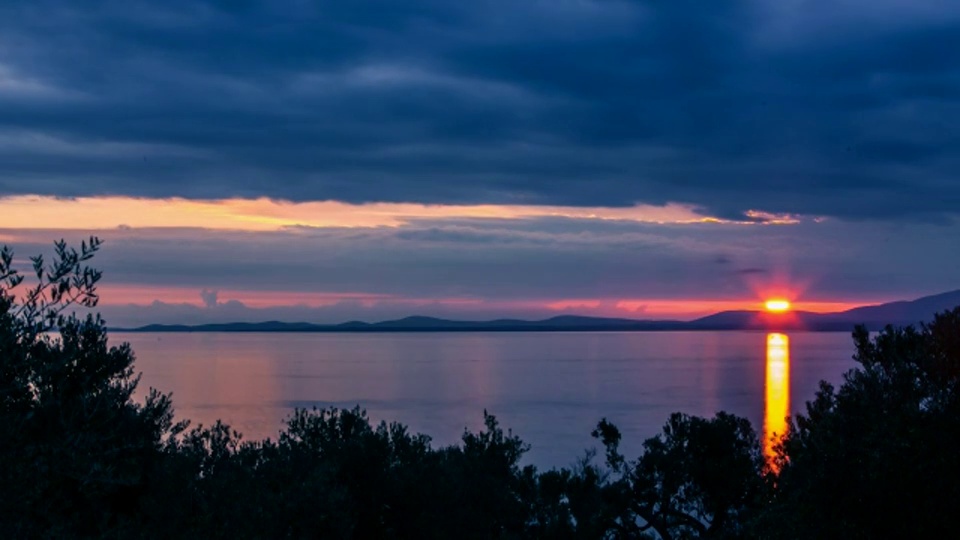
[(777, 305)]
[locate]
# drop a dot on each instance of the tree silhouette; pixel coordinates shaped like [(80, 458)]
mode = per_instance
[(74, 446), (699, 478)]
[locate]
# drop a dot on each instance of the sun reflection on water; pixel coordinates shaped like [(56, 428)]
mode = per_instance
[(777, 402)]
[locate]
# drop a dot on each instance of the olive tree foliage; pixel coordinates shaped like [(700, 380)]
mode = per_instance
[(66, 281), (74, 446), (334, 474), (699, 478)]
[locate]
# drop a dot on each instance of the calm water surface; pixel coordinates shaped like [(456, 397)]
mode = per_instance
[(550, 388)]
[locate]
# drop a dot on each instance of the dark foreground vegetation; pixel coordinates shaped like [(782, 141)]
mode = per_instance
[(79, 458)]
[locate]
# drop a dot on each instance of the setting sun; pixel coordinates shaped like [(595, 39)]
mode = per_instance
[(777, 305)]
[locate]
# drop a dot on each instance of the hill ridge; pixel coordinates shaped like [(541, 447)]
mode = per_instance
[(898, 313)]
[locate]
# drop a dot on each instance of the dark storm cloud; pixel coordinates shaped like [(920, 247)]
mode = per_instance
[(841, 108)]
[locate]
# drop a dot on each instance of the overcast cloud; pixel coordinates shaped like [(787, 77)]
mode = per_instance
[(842, 108)]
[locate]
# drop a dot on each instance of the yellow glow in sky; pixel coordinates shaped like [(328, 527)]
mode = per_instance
[(777, 305)]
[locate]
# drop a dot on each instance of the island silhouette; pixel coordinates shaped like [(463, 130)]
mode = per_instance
[(874, 317)]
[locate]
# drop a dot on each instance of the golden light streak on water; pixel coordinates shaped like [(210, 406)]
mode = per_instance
[(777, 402)]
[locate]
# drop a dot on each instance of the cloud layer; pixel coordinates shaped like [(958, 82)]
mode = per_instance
[(491, 267), (844, 108)]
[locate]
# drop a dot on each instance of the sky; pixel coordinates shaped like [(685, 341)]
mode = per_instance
[(328, 160)]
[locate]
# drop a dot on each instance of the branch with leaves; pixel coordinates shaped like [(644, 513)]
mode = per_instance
[(66, 281)]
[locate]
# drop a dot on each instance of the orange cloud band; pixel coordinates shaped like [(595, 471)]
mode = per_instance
[(90, 213)]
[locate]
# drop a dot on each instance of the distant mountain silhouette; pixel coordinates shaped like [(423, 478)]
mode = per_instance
[(269, 326), (903, 312), (874, 317)]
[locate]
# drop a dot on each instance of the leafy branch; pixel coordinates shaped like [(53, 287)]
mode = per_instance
[(64, 282)]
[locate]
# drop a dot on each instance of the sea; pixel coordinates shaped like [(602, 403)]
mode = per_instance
[(548, 388)]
